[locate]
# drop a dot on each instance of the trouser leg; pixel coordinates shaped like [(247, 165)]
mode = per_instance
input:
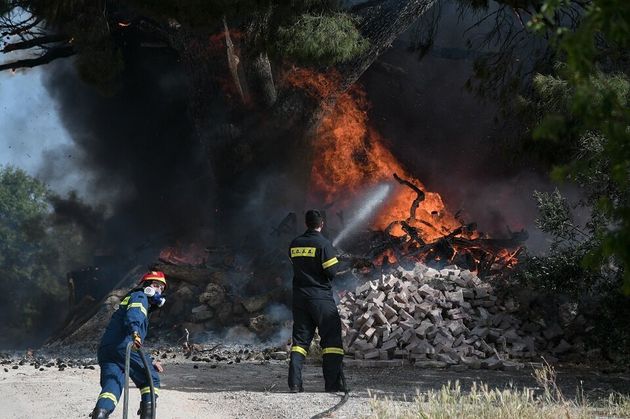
[(112, 377), (303, 332), (329, 325), (138, 375)]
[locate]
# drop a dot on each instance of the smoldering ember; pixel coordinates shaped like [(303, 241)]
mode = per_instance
[(329, 208)]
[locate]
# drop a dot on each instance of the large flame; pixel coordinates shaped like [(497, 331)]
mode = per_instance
[(352, 157)]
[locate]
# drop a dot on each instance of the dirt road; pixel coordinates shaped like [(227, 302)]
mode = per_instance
[(253, 390)]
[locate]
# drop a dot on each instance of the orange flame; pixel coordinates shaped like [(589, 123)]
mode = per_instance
[(192, 254), (352, 157)]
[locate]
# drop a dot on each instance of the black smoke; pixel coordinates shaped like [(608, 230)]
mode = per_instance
[(136, 147)]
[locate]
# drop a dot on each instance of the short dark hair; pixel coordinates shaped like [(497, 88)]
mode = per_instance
[(313, 218)]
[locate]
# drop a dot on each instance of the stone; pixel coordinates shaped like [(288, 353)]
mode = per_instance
[(213, 296), (279, 355), (454, 296), (436, 316), (375, 353), (444, 357), (256, 303), (480, 331), (426, 290), (201, 313), (430, 364), (512, 366), (481, 292), (492, 363), (423, 347), (389, 311), (424, 327), (390, 344), (374, 363), (470, 362)]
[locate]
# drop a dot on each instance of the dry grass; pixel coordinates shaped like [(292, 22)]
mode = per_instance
[(483, 402)]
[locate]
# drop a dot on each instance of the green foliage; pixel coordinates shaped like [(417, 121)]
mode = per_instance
[(35, 253), (555, 217), (594, 113), (586, 262), (594, 286), (321, 39), (561, 270)]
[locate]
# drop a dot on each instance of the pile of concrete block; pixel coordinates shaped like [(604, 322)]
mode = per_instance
[(447, 318)]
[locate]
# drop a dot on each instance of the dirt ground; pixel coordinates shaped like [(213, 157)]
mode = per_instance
[(257, 390)]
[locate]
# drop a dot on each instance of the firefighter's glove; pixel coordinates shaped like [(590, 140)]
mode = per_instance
[(137, 340)]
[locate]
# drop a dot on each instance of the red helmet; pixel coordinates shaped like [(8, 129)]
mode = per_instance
[(154, 276)]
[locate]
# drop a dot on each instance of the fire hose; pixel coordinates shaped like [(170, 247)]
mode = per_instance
[(149, 379), (344, 399)]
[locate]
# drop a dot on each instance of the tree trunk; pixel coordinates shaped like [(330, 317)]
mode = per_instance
[(258, 67), (382, 22), (260, 80)]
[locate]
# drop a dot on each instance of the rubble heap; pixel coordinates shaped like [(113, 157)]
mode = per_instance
[(442, 318)]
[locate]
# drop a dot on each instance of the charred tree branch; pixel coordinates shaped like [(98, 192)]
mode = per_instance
[(35, 42), (49, 56), (416, 202)]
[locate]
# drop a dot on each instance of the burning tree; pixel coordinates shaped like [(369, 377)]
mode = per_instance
[(306, 124), (241, 50)]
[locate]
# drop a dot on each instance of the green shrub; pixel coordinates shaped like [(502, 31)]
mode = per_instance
[(321, 39)]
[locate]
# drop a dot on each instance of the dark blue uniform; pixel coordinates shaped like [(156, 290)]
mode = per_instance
[(314, 266), (131, 316)]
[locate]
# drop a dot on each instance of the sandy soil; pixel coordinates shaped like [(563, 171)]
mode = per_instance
[(254, 390)]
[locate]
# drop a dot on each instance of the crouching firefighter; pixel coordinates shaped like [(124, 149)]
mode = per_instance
[(314, 266), (129, 324)]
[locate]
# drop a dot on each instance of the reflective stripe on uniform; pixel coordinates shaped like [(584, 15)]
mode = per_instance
[(299, 350), (330, 262), (332, 350), (109, 396), (138, 305), (125, 301), (303, 252), (147, 390)]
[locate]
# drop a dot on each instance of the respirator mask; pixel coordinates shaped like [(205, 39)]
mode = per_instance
[(155, 297)]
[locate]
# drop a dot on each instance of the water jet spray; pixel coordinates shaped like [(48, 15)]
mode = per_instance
[(372, 202)]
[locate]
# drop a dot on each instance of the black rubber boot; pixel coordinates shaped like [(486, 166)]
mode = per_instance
[(100, 413), (295, 372), (146, 410), (332, 368)]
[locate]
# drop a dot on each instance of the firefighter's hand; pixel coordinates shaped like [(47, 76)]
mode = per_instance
[(158, 366), (137, 340)]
